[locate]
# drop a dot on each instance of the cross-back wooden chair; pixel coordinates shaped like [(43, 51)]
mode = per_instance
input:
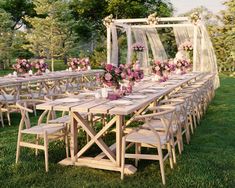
[(149, 137), (8, 97), (42, 131), (188, 106), (157, 124)]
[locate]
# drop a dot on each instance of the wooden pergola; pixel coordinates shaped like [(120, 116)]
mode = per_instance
[(151, 22)]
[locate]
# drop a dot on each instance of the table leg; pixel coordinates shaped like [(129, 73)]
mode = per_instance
[(73, 142), (119, 124)]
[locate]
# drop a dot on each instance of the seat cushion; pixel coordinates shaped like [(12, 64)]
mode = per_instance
[(146, 136), (39, 129)]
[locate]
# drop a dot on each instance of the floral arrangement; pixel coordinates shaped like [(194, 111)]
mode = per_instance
[(152, 19), (138, 47), (162, 68), (111, 77), (195, 18), (182, 66), (79, 64), (40, 65), (22, 66), (107, 21), (114, 75), (186, 46)]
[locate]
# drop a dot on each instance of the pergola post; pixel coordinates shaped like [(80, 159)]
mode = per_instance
[(108, 45), (195, 47), (129, 44)]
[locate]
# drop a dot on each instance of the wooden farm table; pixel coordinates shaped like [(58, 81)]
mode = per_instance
[(110, 158), (6, 81)]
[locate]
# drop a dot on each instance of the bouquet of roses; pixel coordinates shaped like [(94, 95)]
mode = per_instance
[(111, 76), (183, 65), (79, 64), (40, 65), (132, 73), (84, 64), (186, 46), (22, 66), (138, 47), (162, 68), (74, 63)]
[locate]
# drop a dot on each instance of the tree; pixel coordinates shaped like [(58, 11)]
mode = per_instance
[(221, 29), (18, 9), (5, 37), (52, 32)]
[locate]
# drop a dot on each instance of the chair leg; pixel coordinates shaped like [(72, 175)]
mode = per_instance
[(18, 147), (137, 151), (9, 118), (36, 150), (2, 122), (179, 141), (46, 150), (66, 139), (191, 123), (170, 155), (161, 166), (123, 158)]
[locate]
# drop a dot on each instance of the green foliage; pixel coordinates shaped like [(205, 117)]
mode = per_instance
[(6, 35), (52, 34), (18, 9)]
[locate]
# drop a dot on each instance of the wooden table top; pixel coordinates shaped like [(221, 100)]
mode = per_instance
[(105, 106), (6, 80)]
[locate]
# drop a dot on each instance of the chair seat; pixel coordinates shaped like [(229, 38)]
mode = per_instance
[(65, 119), (157, 125), (7, 97), (33, 95), (146, 136), (39, 129)]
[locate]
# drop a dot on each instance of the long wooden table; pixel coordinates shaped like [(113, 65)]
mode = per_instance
[(47, 83), (110, 158)]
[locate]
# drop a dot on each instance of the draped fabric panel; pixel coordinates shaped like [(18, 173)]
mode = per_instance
[(140, 37), (206, 59), (156, 45), (114, 54)]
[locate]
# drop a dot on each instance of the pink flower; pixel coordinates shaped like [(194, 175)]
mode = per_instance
[(108, 76), (123, 75), (109, 67), (117, 70)]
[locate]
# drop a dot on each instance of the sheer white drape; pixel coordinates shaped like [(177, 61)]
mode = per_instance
[(156, 45), (205, 55), (114, 54), (140, 37)]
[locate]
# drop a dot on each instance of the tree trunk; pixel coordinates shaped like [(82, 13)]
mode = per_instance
[(52, 64)]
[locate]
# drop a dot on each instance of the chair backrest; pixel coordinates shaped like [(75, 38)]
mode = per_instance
[(166, 114), (24, 105)]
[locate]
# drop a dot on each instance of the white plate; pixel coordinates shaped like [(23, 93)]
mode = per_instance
[(68, 100), (158, 87), (87, 94), (121, 102), (135, 97), (148, 91)]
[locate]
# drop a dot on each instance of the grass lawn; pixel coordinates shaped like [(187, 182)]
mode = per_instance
[(209, 160)]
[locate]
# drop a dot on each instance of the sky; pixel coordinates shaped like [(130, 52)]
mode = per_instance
[(183, 6)]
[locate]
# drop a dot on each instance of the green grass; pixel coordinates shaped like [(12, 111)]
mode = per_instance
[(209, 160)]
